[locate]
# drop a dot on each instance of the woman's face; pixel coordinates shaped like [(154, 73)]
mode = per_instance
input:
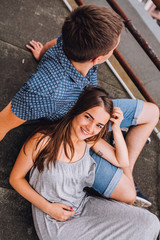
[(89, 123)]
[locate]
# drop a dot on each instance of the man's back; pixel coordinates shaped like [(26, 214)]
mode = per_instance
[(53, 89)]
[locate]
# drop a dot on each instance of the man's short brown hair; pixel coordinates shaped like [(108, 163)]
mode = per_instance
[(90, 31)]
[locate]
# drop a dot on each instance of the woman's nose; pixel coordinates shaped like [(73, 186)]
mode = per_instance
[(90, 127)]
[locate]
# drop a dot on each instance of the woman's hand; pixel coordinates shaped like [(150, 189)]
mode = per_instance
[(117, 117), (60, 211)]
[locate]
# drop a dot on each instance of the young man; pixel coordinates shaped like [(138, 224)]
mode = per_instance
[(69, 64)]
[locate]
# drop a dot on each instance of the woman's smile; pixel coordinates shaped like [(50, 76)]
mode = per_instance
[(89, 123), (83, 131)]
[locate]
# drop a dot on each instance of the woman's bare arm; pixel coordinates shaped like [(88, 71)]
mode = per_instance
[(17, 180), (117, 155)]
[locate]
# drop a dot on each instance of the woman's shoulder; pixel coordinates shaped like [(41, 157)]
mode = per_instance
[(37, 142), (40, 138)]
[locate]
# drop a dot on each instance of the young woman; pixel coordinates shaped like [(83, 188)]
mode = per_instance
[(61, 167)]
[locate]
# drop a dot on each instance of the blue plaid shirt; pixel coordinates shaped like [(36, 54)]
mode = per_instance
[(53, 89)]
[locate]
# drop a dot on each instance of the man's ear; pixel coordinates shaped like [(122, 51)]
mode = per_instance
[(95, 61)]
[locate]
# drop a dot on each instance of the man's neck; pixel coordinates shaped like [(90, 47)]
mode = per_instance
[(84, 67)]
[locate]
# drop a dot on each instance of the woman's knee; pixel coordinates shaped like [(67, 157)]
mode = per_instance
[(124, 192), (150, 114), (155, 113), (130, 197)]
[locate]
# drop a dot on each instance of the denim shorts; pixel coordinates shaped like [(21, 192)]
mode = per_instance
[(107, 176), (131, 109)]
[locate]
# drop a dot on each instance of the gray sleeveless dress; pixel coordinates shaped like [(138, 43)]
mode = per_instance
[(64, 184), (95, 218)]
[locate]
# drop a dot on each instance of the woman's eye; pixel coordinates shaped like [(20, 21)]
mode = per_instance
[(99, 126), (86, 116)]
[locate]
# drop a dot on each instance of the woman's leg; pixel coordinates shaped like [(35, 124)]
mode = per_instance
[(137, 135), (125, 189), (100, 219), (141, 117), (107, 176), (113, 182), (107, 219)]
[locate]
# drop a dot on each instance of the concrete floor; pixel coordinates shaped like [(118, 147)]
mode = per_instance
[(40, 20)]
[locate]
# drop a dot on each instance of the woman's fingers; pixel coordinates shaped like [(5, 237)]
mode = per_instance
[(68, 211), (117, 113), (60, 211)]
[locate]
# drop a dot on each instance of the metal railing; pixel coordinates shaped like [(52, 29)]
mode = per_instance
[(142, 42)]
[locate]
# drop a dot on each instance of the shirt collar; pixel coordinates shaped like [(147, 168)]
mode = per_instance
[(71, 70)]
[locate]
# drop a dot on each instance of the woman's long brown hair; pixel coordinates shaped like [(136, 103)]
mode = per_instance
[(60, 133)]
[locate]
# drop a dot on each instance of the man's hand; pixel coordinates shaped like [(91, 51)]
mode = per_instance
[(60, 212), (36, 48)]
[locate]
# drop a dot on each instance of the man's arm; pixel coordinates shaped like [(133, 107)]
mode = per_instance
[(8, 121), (38, 49)]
